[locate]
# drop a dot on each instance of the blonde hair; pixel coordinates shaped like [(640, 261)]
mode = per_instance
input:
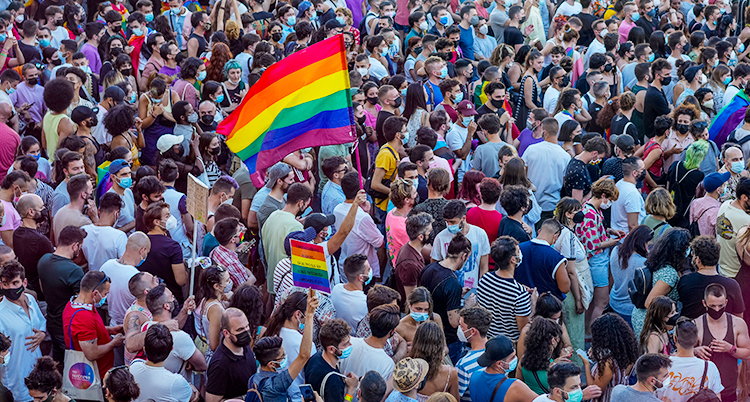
[(659, 203), (606, 187), (401, 190), (441, 397), (110, 80), (232, 30)]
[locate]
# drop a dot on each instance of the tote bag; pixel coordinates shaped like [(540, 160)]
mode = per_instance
[(80, 376)]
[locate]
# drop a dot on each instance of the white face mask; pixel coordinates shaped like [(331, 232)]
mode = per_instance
[(606, 204)]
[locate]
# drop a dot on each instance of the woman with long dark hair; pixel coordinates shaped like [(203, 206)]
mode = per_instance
[(214, 289), (420, 311), (416, 111), (547, 306), (661, 317), (623, 262), (667, 260), (429, 345), (156, 106), (514, 174), (544, 339), (658, 44), (249, 299), (531, 92)]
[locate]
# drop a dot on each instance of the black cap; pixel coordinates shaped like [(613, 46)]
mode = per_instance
[(319, 221), (333, 24), (82, 113), (497, 348), (114, 92)]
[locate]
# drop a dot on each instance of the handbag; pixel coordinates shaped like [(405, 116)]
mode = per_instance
[(80, 375)]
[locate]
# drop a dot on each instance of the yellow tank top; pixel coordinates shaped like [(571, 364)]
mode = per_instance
[(50, 122)]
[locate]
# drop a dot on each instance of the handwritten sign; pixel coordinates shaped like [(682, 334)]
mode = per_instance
[(309, 268), (197, 198)]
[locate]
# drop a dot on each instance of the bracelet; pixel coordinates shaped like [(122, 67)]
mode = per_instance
[(348, 397)]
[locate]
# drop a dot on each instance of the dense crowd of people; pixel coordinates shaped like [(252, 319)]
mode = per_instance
[(534, 205)]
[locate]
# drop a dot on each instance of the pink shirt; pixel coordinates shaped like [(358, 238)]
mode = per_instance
[(705, 210), (624, 30), (395, 234), (9, 143), (674, 141), (12, 218)]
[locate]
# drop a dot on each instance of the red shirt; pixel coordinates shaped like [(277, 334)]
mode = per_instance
[(489, 221), (85, 326)]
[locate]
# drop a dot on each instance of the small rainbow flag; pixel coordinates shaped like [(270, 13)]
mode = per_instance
[(301, 101), (309, 267)]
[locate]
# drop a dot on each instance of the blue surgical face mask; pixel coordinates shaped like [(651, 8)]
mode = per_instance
[(738, 166), (635, 16), (384, 52), (716, 63), (126, 182), (220, 98), (301, 327), (458, 97), (403, 92), (201, 76), (742, 48), (406, 137), (341, 20), (291, 20), (419, 317), (454, 228), (727, 80), (575, 396), (444, 72), (369, 278), (36, 157), (346, 352), (44, 42), (149, 16), (651, 58), (101, 302), (137, 32), (132, 98), (512, 364), (467, 120), (652, 13), (520, 258), (687, 252), (283, 363), (3, 37)]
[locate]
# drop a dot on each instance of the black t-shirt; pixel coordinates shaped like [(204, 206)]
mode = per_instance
[(35, 245), (61, 279), (446, 294), (139, 225), (593, 127), (512, 228), (654, 105), (649, 26), (30, 53), (582, 85), (691, 288), (577, 177), (682, 183), (327, 16), (229, 373), (164, 253), (710, 33), (315, 371), (483, 110), (619, 124), (513, 36), (382, 116), (587, 33)]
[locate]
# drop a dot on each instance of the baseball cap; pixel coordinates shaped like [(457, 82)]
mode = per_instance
[(625, 142), (276, 172), (306, 236), (691, 72), (334, 23), (497, 348), (117, 165), (715, 180), (167, 141), (466, 108), (114, 92), (82, 113), (409, 373), (303, 7), (319, 221)]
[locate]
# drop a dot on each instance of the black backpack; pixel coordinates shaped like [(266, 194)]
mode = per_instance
[(253, 394), (640, 287), (704, 394), (693, 227), (386, 182)]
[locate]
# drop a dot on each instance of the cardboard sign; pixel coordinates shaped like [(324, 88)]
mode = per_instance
[(197, 198), (309, 268)]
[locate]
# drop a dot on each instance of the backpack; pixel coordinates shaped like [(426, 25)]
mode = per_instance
[(253, 393), (386, 182), (640, 287), (732, 138), (704, 394), (693, 227)]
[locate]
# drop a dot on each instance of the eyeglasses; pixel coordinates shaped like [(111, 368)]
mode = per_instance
[(106, 279), (701, 124)]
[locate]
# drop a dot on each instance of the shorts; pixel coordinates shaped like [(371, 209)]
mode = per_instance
[(599, 266)]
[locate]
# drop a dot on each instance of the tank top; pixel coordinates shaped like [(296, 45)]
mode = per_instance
[(423, 398), (726, 364), (202, 324), (201, 43), (50, 122), (129, 357)]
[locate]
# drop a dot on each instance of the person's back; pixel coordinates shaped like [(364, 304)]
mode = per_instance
[(155, 381), (546, 162), (368, 353), (651, 370), (539, 268), (102, 244)]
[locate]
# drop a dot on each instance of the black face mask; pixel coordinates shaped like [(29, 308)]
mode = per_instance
[(641, 176), (126, 72), (497, 103), (207, 119), (361, 120), (276, 36), (578, 217), (683, 128), (179, 58), (175, 309), (214, 151), (116, 51), (666, 81), (242, 339), (418, 49), (716, 314), (32, 81), (397, 102), (41, 216), (13, 293), (672, 321), (93, 123), (373, 100), (565, 81), (522, 20), (56, 62), (608, 67), (59, 22)]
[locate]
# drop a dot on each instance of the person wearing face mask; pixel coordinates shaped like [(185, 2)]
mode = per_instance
[(32, 210), (21, 320), (734, 163), (85, 119), (652, 372), (104, 242), (277, 372), (322, 368), (492, 384), (577, 180), (655, 103), (452, 95), (44, 382), (348, 298), (83, 327), (565, 385), (459, 138), (165, 259), (233, 363), (136, 313), (196, 43), (153, 377), (228, 233), (209, 146), (81, 210)]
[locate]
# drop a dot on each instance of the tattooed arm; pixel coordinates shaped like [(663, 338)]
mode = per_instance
[(133, 335)]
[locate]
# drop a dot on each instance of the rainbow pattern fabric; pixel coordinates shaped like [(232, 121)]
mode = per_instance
[(728, 118), (302, 101)]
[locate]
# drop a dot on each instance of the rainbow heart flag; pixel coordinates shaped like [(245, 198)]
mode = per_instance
[(302, 101)]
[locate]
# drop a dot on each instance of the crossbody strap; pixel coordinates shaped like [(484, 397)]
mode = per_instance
[(703, 379), (70, 328), (500, 384), (536, 377)]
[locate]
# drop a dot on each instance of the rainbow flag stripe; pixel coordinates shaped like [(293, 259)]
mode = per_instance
[(301, 101)]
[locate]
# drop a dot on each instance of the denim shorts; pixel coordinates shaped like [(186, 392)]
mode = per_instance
[(599, 266)]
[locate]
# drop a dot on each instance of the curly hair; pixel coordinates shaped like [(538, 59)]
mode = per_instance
[(119, 119), (613, 339), (428, 344), (401, 190), (333, 332), (539, 339), (249, 299), (605, 186), (659, 202), (220, 55), (687, 109), (501, 52), (468, 190), (655, 321), (232, 30), (58, 94), (610, 110), (121, 385), (670, 249), (44, 376)]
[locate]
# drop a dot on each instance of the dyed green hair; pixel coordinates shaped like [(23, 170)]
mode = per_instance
[(696, 152), (230, 65)]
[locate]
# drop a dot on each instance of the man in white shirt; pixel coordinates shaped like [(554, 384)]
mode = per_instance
[(629, 209), (120, 271), (156, 382), (688, 372), (597, 45), (349, 299), (546, 162), (460, 135), (104, 242), (569, 8), (557, 77)]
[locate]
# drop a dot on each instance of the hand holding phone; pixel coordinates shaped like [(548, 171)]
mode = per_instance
[(307, 392)]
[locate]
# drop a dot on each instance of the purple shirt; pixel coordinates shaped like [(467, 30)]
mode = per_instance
[(34, 96), (527, 138), (95, 62), (171, 72)]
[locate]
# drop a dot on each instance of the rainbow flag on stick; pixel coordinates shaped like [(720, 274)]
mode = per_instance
[(301, 101)]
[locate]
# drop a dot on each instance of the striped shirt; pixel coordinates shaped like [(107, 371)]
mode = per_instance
[(505, 299), (466, 366)]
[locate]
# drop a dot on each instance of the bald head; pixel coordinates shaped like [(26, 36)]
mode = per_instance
[(138, 241), (28, 205), (233, 318), (6, 254)]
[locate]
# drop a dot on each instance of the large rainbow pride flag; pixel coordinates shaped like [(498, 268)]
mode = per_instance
[(728, 118), (301, 101)]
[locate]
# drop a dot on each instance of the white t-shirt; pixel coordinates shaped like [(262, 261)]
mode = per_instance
[(686, 374), (546, 169), (630, 201), (550, 99), (351, 306), (729, 93), (365, 358), (159, 384), (468, 275), (377, 69), (673, 62), (543, 398), (291, 341), (102, 244), (455, 140), (119, 297), (567, 10), (183, 348)]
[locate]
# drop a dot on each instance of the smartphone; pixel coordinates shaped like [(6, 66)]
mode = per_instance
[(307, 392), (583, 355)]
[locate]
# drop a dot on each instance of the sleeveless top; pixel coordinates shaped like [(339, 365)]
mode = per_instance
[(726, 364), (618, 377), (50, 122), (415, 122), (201, 43), (202, 324), (423, 398), (129, 357)]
